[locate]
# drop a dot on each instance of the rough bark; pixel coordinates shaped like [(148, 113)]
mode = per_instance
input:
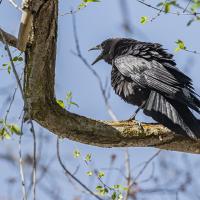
[(40, 57)]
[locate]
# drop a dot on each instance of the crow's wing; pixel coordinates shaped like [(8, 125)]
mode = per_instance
[(171, 93), (163, 78)]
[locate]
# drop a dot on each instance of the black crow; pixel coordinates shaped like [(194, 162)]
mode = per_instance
[(144, 74)]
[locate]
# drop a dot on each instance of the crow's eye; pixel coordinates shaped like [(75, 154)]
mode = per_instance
[(103, 45)]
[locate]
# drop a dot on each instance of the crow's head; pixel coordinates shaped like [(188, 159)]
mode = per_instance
[(107, 50)]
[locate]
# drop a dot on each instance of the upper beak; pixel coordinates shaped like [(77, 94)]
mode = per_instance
[(94, 48), (98, 47)]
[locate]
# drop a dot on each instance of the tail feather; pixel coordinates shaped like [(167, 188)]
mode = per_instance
[(175, 116)]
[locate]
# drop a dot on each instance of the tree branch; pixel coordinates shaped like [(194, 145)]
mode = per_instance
[(11, 40), (40, 57)]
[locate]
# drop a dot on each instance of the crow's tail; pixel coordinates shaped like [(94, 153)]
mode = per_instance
[(174, 115)]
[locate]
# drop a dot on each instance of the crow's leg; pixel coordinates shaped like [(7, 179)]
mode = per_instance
[(136, 112)]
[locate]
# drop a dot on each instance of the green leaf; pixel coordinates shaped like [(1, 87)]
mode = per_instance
[(9, 69), (167, 7), (14, 128), (117, 186), (98, 187), (101, 174), (180, 45), (102, 191), (20, 59), (85, 3), (89, 173), (82, 5), (73, 103), (195, 6), (69, 96), (76, 153), (60, 103), (143, 19), (114, 196), (69, 99), (120, 196), (7, 136), (5, 64), (4, 134), (88, 157), (15, 59)]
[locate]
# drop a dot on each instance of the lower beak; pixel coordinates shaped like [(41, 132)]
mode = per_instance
[(98, 47), (98, 58)]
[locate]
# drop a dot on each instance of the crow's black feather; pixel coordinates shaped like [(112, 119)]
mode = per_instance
[(145, 73)]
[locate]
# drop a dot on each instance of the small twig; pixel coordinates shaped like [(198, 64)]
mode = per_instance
[(151, 175), (21, 163), (185, 9), (15, 5), (67, 172), (34, 160), (12, 100), (192, 51), (10, 104), (146, 164), (159, 12), (128, 176), (70, 13), (127, 25), (174, 13)]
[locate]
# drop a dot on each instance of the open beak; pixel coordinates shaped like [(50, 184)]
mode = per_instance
[(98, 47)]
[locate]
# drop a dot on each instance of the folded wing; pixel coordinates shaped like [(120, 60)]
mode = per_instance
[(171, 92)]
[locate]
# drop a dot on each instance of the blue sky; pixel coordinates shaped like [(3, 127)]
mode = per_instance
[(96, 23)]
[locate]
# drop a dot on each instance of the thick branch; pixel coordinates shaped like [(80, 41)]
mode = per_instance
[(11, 40), (39, 92)]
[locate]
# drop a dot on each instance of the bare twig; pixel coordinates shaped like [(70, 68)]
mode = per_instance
[(126, 16), (70, 12), (128, 176), (21, 163), (185, 9), (192, 51), (159, 12), (12, 100), (145, 165), (10, 104), (174, 13), (67, 172), (15, 5), (34, 160)]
